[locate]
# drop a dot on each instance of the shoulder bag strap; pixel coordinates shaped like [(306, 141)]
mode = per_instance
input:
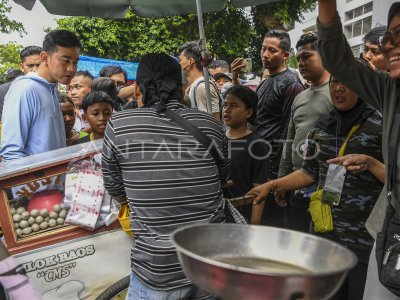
[(194, 103), (352, 131), (196, 133), (394, 140)]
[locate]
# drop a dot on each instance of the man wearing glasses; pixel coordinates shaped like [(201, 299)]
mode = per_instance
[(120, 78), (116, 73), (380, 89)]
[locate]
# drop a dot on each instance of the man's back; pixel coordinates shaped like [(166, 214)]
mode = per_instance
[(198, 96), (168, 180)]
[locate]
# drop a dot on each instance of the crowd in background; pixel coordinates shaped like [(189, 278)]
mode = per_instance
[(282, 142)]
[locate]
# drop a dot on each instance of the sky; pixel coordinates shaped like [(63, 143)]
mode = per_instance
[(34, 22)]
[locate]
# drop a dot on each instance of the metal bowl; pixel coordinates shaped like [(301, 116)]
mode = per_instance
[(258, 262)]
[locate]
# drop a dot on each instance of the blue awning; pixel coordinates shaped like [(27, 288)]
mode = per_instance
[(94, 65)]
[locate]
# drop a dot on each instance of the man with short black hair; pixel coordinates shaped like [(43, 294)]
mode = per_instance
[(120, 77), (372, 53), (116, 73), (275, 99), (190, 61), (30, 61), (307, 108), (32, 119), (79, 87)]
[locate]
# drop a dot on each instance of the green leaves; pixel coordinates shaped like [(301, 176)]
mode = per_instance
[(230, 33), (7, 25), (9, 57)]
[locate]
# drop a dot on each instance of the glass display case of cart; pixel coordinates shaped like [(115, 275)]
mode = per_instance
[(31, 193)]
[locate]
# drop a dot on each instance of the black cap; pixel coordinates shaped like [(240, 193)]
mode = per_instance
[(219, 75)]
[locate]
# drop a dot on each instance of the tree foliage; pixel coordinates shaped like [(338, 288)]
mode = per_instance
[(280, 15), (277, 15), (230, 33), (9, 56), (7, 25)]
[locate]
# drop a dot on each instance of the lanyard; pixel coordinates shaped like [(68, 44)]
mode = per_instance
[(343, 148)]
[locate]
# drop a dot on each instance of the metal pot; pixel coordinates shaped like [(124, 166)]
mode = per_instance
[(258, 262)]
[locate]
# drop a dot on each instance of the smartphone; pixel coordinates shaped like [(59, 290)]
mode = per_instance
[(248, 65)]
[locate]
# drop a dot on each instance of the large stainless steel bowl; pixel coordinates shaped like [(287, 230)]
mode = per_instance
[(257, 262)]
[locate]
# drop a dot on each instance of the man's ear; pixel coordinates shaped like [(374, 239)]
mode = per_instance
[(20, 67), (250, 112), (84, 117), (44, 55), (286, 55)]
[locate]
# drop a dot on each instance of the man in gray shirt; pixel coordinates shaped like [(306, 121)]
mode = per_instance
[(307, 108)]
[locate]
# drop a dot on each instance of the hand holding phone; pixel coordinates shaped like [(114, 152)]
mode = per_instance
[(248, 65)]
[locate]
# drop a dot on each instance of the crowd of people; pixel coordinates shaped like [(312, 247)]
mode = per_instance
[(296, 143)]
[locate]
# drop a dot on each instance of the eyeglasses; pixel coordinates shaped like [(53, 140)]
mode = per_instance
[(392, 36)]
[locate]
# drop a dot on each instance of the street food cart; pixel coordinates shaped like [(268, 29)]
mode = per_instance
[(63, 261)]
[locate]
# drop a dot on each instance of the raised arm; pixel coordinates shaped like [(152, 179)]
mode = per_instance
[(236, 65), (338, 58), (326, 11)]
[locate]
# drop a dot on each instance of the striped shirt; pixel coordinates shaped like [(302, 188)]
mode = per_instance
[(170, 181)]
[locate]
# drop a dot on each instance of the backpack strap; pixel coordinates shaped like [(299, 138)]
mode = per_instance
[(193, 99)]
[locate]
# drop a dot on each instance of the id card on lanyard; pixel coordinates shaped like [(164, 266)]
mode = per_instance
[(336, 176)]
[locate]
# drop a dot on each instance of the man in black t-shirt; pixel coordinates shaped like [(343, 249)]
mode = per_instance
[(275, 98)]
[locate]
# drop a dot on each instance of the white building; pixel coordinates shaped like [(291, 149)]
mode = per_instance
[(358, 17)]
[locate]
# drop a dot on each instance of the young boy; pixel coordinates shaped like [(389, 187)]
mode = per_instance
[(97, 107), (248, 152)]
